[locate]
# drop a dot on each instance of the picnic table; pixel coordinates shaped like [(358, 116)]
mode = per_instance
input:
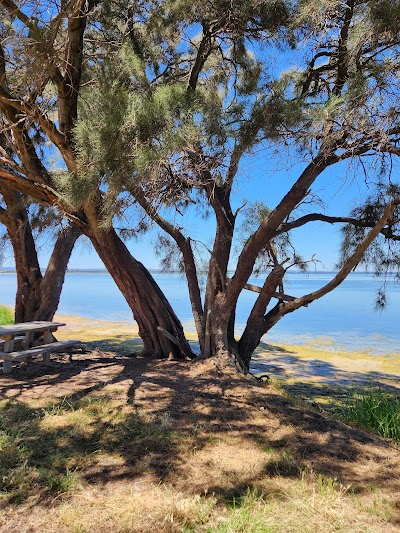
[(24, 334)]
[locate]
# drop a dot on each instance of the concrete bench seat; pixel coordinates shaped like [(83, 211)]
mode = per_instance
[(25, 355)]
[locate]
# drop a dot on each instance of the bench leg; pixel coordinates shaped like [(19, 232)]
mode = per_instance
[(28, 339), (46, 358), (47, 336), (9, 343), (7, 366)]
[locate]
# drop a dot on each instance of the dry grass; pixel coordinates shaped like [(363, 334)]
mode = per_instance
[(287, 506), (122, 444)]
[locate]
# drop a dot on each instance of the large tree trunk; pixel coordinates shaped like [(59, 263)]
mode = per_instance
[(159, 327), (37, 296), (218, 323), (29, 276)]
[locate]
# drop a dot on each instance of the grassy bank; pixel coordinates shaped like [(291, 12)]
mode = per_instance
[(188, 455), (126, 444), (374, 410)]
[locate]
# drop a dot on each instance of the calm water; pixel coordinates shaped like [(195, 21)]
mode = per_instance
[(346, 316)]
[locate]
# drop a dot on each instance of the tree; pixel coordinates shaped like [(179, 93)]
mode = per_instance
[(38, 295), (185, 137), (171, 103), (41, 60)]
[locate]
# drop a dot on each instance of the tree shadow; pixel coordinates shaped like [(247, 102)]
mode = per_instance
[(173, 410), (285, 366), (75, 434)]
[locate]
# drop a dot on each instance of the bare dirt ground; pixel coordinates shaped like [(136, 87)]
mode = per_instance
[(236, 440)]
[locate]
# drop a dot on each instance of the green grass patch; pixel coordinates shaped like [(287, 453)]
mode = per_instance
[(48, 450), (6, 315), (374, 410), (247, 514)]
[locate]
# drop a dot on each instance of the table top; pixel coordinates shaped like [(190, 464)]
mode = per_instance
[(25, 327)]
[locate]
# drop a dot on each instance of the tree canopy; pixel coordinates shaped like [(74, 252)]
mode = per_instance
[(159, 104)]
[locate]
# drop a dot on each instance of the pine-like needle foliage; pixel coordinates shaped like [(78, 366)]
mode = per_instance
[(383, 256)]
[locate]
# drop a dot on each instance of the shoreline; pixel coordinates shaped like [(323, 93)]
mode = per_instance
[(284, 362), (318, 361), (344, 321)]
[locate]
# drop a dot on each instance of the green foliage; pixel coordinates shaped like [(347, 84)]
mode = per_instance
[(279, 248), (314, 14), (169, 254), (6, 315), (137, 120), (264, 15), (386, 15), (383, 255), (253, 216), (374, 410)]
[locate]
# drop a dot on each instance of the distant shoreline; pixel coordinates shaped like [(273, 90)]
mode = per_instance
[(12, 270)]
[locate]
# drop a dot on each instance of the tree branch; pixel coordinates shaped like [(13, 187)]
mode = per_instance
[(348, 266), (45, 123), (203, 52), (14, 11), (267, 229), (186, 250), (234, 161), (342, 65), (69, 85), (40, 192)]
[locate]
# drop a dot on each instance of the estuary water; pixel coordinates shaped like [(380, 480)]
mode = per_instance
[(344, 319)]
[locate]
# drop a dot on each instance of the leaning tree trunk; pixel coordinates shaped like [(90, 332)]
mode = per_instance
[(48, 296), (159, 327), (29, 276), (37, 296)]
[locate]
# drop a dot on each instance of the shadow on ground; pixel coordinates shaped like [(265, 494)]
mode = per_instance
[(157, 416), (283, 364)]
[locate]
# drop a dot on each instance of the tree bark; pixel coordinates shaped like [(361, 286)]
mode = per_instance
[(185, 247), (155, 317), (37, 296), (255, 326), (53, 280), (219, 337)]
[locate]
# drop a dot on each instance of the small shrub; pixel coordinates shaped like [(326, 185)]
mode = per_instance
[(374, 410)]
